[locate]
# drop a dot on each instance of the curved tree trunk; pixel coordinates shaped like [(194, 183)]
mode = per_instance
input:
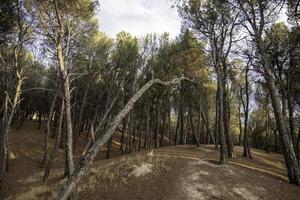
[(288, 149), (87, 160)]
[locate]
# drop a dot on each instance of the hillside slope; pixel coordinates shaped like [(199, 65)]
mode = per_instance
[(175, 172)]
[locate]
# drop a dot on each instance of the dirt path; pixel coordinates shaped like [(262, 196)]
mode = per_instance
[(169, 173), (203, 178)]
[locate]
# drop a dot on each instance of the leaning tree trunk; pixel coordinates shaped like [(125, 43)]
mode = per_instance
[(288, 149), (87, 160), (207, 128)]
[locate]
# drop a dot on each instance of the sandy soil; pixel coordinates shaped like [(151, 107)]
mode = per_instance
[(175, 172)]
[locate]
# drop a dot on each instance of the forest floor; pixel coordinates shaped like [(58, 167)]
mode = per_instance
[(174, 172)]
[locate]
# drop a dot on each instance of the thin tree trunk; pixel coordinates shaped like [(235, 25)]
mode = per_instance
[(6, 125), (267, 134), (56, 145), (240, 122), (156, 123), (207, 128), (247, 151), (79, 123), (196, 139), (48, 131), (223, 149), (298, 145), (288, 149), (163, 127), (217, 140), (109, 144), (123, 135), (87, 160), (66, 94), (275, 140), (176, 130), (291, 117), (181, 140), (226, 113)]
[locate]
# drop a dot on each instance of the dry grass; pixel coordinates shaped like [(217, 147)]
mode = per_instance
[(35, 192), (123, 171)]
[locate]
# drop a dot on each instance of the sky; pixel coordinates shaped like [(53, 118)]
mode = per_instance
[(138, 17)]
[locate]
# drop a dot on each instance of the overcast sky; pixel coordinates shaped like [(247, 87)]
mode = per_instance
[(138, 17)]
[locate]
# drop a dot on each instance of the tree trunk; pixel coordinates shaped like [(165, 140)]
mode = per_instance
[(291, 117), (109, 144), (196, 139), (66, 93), (223, 149), (247, 151), (240, 122), (217, 138), (123, 135), (288, 149), (267, 134), (297, 145), (163, 126), (48, 131), (87, 160), (275, 140), (6, 125), (156, 123), (207, 128), (176, 130), (181, 117), (226, 125), (79, 123), (56, 145)]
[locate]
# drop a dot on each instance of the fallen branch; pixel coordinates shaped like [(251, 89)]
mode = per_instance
[(87, 160)]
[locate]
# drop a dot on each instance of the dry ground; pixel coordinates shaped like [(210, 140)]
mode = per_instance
[(175, 172)]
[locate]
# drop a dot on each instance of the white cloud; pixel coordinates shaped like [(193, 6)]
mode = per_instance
[(138, 17)]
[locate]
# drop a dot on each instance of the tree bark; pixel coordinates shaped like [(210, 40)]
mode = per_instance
[(161, 144), (207, 128), (87, 160), (78, 127), (196, 139), (6, 125), (288, 149), (240, 122), (66, 91), (257, 34), (56, 145), (223, 148), (48, 131), (247, 151)]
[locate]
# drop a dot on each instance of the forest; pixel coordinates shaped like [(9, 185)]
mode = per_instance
[(77, 104)]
